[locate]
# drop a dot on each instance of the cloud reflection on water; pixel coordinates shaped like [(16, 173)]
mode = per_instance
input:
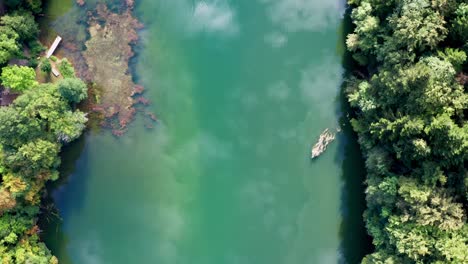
[(304, 15), (276, 39), (214, 17), (325, 77), (88, 250)]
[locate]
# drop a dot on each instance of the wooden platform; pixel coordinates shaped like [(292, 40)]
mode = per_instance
[(54, 46)]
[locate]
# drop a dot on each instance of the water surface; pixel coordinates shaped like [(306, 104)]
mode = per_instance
[(242, 89)]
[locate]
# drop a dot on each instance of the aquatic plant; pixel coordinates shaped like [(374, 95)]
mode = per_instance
[(107, 54)]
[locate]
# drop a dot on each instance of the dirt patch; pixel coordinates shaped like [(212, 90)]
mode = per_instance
[(6, 97)]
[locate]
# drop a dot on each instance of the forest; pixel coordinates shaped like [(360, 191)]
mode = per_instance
[(41, 119), (409, 97)]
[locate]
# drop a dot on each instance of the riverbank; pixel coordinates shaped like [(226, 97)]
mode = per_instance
[(29, 153)]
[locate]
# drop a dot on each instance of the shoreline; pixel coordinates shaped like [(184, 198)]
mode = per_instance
[(51, 220), (35, 127), (114, 97)]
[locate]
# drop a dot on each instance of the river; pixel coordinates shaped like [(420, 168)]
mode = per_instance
[(242, 90)]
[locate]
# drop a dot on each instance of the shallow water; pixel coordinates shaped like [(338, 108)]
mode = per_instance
[(242, 89)]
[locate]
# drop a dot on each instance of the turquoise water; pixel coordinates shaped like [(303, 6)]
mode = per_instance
[(242, 90)]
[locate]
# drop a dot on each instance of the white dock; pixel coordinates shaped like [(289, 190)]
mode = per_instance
[(54, 46)]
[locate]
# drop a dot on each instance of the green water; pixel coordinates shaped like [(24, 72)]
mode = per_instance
[(242, 89)]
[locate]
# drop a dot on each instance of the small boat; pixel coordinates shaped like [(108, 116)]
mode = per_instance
[(324, 140)]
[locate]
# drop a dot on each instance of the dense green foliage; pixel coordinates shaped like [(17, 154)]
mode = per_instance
[(16, 28), (32, 131), (22, 23), (33, 5), (411, 105), (18, 78), (46, 67), (73, 89), (8, 44), (66, 69)]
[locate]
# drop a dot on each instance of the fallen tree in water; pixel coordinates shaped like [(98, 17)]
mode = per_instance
[(324, 140)]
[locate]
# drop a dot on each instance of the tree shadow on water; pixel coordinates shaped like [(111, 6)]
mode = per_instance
[(51, 218), (355, 242)]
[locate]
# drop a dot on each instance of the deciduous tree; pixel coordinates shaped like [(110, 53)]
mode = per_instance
[(73, 89), (18, 78)]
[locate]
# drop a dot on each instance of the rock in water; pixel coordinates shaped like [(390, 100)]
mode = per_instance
[(324, 140)]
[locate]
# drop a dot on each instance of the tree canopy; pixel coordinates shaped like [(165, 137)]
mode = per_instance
[(8, 44), (18, 78), (73, 89), (17, 28), (460, 22), (46, 66), (66, 68), (32, 132), (22, 23), (410, 106)]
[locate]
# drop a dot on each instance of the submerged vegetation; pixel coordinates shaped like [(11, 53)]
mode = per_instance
[(32, 131), (98, 37), (107, 55), (411, 104)]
